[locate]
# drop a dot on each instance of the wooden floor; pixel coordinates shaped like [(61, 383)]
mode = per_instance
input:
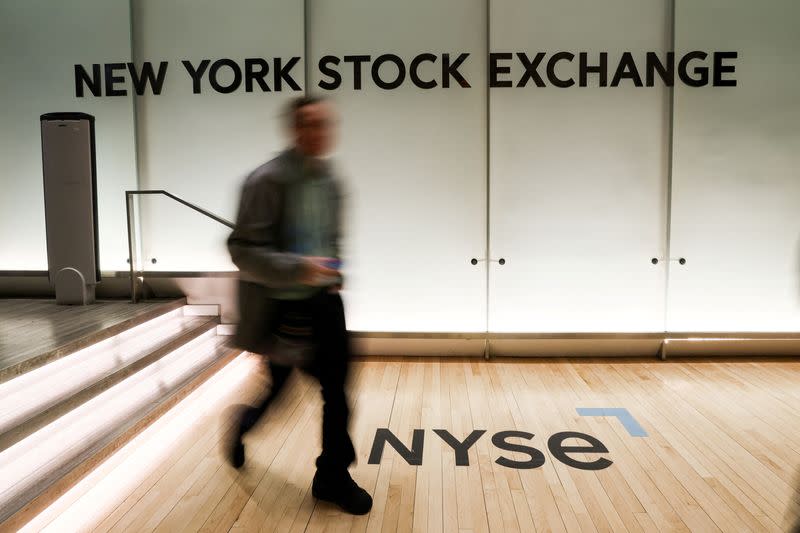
[(722, 452), (30, 328)]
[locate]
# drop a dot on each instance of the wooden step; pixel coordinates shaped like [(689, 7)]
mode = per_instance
[(73, 330), (38, 397), (41, 467)]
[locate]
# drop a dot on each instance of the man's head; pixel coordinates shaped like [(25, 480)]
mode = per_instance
[(312, 124)]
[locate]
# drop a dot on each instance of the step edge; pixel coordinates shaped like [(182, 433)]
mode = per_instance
[(42, 418), (201, 310)]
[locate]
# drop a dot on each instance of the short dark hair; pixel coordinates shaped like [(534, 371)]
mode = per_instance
[(296, 104)]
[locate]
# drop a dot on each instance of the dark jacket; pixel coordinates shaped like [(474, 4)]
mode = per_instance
[(258, 245)]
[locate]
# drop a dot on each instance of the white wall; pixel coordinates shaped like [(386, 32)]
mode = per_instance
[(201, 146), (578, 174), (736, 178), (415, 164), (40, 41), (577, 177)]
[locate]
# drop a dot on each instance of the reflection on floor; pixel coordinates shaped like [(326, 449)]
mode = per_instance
[(721, 451)]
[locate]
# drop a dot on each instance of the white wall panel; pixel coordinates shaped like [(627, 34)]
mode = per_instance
[(200, 147), (414, 161), (736, 183), (578, 174), (40, 42)]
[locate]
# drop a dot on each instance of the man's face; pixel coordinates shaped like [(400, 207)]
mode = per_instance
[(315, 133)]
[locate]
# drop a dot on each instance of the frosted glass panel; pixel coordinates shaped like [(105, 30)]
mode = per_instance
[(736, 183), (40, 42), (414, 161), (578, 174), (200, 147)]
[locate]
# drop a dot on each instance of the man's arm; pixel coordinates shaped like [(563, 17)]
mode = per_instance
[(253, 242), (339, 198), (338, 223)]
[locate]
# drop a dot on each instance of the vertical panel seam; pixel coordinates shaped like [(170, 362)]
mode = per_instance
[(306, 62), (670, 156), (488, 262)]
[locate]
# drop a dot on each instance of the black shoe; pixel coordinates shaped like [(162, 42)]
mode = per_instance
[(234, 447), (344, 492), (236, 452)]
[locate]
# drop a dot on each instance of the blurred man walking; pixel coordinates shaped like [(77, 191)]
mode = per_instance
[(286, 246)]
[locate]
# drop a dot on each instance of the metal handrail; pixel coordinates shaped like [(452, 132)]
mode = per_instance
[(129, 209)]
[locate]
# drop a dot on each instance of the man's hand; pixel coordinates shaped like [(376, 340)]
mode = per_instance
[(333, 289), (316, 274)]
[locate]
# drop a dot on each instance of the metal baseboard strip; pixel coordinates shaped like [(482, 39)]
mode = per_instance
[(654, 344)]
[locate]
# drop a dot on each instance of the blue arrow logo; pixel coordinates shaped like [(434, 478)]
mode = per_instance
[(634, 428)]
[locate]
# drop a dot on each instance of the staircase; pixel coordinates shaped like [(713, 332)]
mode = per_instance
[(60, 420)]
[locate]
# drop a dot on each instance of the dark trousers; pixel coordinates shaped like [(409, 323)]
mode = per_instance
[(330, 367)]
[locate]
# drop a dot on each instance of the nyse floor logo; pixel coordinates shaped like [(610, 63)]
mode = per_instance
[(535, 458)]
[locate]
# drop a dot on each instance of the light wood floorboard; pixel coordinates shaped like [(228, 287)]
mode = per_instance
[(722, 451)]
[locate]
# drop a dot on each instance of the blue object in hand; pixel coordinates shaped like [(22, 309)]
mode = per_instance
[(333, 263)]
